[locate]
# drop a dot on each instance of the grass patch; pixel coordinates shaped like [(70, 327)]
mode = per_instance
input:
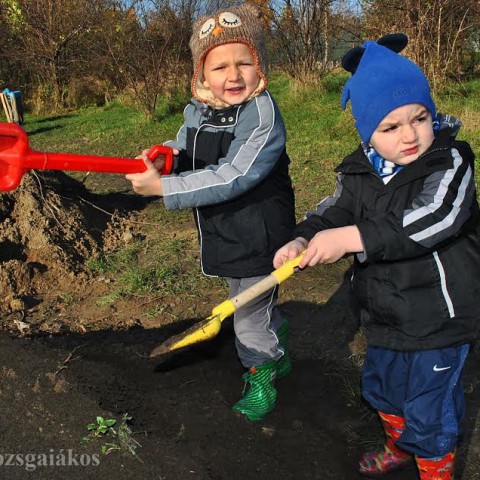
[(112, 130), (157, 267)]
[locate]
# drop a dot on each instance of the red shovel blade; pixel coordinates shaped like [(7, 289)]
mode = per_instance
[(10, 175), (16, 158)]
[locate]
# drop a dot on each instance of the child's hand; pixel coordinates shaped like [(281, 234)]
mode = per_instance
[(159, 162), (331, 245), (290, 250), (148, 182)]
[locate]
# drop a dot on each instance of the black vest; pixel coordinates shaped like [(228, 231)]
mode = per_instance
[(239, 237)]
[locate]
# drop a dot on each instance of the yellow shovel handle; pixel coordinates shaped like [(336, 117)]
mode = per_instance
[(287, 269), (227, 307)]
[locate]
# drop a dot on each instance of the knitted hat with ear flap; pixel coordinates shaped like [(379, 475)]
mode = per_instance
[(240, 24), (381, 81)]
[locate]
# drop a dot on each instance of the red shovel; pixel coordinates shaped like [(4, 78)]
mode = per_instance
[(17, 158)]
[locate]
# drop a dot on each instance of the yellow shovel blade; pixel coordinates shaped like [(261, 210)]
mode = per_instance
[(205, 330)]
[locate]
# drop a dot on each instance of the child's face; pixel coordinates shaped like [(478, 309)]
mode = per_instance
[(229, 72), (404, 134)]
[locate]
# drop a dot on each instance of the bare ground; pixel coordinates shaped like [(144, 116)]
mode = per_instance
[(65, 358)]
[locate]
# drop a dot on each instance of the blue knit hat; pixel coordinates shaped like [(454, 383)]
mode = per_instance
[(381, 81)]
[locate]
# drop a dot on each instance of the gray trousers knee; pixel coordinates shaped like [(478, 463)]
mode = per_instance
[(256, 324)]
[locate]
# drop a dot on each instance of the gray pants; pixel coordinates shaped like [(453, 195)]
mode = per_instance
[(256, 324)]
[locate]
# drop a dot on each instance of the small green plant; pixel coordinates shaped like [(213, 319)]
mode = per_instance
[(119, 432), (101, 426)]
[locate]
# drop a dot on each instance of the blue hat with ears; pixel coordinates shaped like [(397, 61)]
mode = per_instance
[(381, 81)]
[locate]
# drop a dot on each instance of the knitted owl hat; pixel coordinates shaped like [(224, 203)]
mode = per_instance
[(381, 81), (239, 24)]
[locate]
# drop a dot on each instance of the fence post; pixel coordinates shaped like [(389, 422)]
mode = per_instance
[(12, 105), (16, 97), (6, 107)]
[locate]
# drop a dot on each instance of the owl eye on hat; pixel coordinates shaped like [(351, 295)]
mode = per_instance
[(240, 24), (381, 81)]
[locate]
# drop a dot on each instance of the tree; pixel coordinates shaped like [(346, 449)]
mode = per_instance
[(148, 50), (438, 30), (306, 32), (50, 35), (10, 69)]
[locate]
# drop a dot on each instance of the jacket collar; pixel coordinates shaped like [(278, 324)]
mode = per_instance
[(225, 117), (432, 160)]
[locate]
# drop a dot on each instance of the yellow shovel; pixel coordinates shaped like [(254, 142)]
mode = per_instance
[(209, 328)]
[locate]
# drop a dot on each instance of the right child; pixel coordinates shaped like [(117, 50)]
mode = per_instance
[(405, 204)]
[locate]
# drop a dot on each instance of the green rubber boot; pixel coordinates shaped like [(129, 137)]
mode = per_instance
[(284, 367), (261, 396)]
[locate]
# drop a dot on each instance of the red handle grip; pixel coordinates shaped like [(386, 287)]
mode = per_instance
[(157, 150)]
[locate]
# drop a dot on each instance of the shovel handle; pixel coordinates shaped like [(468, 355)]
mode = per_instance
[(275, 278), (16, 158)]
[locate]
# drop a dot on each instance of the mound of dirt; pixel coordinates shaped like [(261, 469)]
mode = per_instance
[(50, 228)]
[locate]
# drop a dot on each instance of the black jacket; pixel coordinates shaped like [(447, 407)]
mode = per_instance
[(417, 283)]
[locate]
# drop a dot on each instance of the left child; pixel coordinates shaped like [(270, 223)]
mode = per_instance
[(233, 170)]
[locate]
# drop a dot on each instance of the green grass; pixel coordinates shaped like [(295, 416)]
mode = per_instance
[(159, 267), (320, 134), (113, 130)]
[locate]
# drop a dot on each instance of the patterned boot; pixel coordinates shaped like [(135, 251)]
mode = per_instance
[(261, 396), (376, 464), (284, 367), (441, 468)]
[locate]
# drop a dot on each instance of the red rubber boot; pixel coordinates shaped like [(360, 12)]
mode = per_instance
[(378, 463), (441, 468)]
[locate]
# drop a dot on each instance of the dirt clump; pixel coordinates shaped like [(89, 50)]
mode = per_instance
[(50, 227)]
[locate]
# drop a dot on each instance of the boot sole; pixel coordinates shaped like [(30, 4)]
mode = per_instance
[(407, 466), (250, 418)]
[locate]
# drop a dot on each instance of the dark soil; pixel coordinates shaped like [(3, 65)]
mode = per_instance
[(65, 360)]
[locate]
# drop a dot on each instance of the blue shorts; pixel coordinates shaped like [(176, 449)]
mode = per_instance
[(424, 387)]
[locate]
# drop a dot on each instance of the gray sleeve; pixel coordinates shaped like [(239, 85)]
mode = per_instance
[(260, 138)]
